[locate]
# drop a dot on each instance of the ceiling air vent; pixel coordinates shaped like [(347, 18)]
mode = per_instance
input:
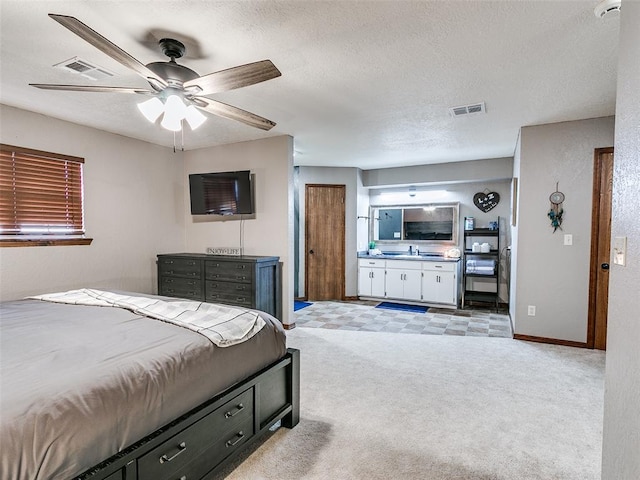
[(84, 68), (467, 109)]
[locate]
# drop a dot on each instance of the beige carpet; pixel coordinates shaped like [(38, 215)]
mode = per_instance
[(390, 406)]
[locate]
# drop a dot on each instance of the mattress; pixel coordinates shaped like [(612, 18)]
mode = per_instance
[(80, 383)]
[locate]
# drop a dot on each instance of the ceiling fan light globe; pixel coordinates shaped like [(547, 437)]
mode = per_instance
[(194, 117), (174, 107), (171, 123), (151, 109)]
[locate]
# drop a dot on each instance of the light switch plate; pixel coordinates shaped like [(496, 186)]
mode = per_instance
[(568, 239), (620, 251)]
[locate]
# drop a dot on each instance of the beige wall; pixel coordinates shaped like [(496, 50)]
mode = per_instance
[(551, 276), (133, 210), (270, 230), (621, 440)]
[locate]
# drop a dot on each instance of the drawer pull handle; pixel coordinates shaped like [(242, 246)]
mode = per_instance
[(239, 436), (181, 448), (239, 299), (237, 410)]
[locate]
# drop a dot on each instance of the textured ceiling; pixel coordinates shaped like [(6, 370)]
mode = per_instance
[(364, 83)]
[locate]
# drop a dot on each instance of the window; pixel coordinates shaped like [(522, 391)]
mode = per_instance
[(40, 198)]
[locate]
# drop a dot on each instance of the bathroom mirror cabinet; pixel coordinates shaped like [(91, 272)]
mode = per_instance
[(434, 223)]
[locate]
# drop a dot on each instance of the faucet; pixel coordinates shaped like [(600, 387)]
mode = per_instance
[(410, 250)]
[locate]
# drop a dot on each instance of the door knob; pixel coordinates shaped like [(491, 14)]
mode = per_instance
[(311, 252), (605, 266)]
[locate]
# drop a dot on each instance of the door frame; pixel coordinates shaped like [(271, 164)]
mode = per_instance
[(594, 260)]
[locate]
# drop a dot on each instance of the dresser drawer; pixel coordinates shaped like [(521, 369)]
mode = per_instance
[(232, 422), (229, 294), (182, 267), (227, 271), (180, 287)]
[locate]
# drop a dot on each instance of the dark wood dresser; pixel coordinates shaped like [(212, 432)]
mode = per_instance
[(246, 281)]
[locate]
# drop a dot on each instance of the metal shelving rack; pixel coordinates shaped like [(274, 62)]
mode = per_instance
[(468, 293)]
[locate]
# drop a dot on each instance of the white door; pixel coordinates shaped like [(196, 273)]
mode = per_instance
[(364, 281), (412, 285), (446, 289), (377, 282), (395, 283)]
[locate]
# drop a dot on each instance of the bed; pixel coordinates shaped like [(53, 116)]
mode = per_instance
[(94, 392)]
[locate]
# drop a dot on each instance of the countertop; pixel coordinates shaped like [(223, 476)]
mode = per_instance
[(424, 257)]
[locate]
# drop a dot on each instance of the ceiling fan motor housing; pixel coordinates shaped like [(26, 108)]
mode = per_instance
[(172, 48)]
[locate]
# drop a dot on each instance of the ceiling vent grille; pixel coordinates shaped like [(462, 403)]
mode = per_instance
[(467, 109), (84, 68)]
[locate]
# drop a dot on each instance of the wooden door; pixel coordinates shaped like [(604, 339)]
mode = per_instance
[(600, 248), (325, 241)]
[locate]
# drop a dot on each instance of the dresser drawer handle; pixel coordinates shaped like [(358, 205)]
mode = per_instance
[(181, 448), (241, 278), (239, 436), (236, 411), (240, 299), (168, 262), (241, 267)]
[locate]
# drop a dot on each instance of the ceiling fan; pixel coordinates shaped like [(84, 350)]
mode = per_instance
[(177, 91)]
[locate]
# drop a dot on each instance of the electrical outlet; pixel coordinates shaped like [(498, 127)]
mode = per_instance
[(531, 310)]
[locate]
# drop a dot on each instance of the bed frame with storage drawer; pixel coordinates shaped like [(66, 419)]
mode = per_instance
[(200, 443)]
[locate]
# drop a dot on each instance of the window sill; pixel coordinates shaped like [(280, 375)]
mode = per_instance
[(43, 242)]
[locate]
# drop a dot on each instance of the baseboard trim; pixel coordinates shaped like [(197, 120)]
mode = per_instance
[(552, 341), (351, 299), (289, 326)]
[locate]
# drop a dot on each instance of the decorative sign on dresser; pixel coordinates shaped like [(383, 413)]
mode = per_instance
[(245, 281)]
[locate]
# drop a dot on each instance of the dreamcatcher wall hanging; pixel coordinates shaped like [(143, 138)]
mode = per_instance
[(556, 210)]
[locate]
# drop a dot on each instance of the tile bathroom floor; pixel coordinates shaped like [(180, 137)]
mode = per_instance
[(362, 315)]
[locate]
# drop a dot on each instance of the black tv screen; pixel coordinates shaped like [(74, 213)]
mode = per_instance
[(223, 193)]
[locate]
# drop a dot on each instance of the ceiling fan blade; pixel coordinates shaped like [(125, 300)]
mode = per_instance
[(92, 88), (232, 78), (233, 113), (104, 45)]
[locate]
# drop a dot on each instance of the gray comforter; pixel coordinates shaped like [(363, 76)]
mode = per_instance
[(80, 383)]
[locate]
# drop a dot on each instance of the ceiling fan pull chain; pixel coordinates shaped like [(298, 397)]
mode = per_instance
[(182, 135)]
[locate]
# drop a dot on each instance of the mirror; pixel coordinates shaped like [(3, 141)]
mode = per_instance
[(419, 224)]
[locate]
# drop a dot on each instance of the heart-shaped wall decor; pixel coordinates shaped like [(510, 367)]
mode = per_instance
[(486, 201)]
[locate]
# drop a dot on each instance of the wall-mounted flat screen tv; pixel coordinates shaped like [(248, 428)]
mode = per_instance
[(221, 193)]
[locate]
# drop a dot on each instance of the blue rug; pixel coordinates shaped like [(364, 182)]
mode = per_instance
[(403, 307), (298, 305)]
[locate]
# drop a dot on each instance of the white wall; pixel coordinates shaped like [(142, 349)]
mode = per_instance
[(553, 277), (268, 232), (332, 176), (133, 210), (621, 440)]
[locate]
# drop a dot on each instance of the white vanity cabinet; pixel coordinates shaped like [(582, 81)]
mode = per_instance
[(440, 282), (404, 279), (371, 275)]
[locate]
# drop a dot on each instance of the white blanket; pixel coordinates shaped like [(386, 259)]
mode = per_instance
[(223, 325)]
